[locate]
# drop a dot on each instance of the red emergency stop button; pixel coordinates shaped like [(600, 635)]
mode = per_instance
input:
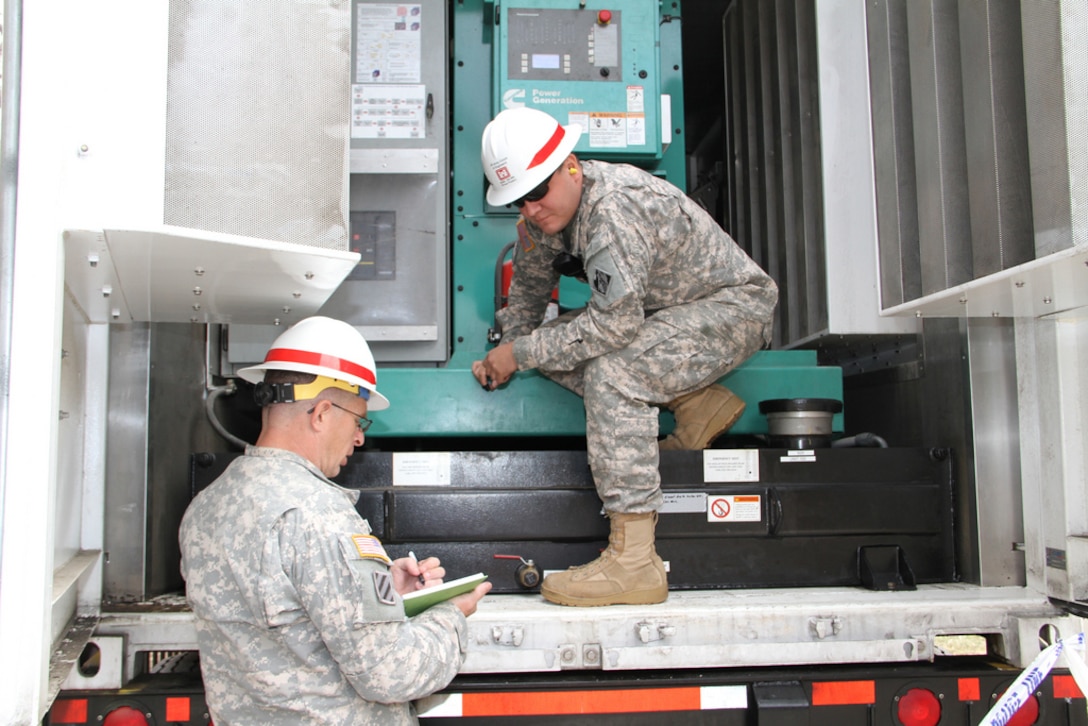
[(604, 17)]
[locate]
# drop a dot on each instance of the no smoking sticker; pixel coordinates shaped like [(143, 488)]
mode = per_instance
[(734, 508)]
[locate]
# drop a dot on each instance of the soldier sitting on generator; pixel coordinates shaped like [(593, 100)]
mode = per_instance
[(675, 305)]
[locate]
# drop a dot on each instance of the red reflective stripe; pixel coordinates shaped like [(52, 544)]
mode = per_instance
[(969, 689), (645, 700), (289, 355), (547, 149), (177, 708), (1066, 687), (69, 711), (843, 693)]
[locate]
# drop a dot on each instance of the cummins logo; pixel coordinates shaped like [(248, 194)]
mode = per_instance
[(513, 98)]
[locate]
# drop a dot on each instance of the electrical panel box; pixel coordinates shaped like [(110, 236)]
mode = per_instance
[(397, 173), (398, 295), (593, 64)]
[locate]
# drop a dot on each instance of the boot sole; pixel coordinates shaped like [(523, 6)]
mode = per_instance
[(638, 597)]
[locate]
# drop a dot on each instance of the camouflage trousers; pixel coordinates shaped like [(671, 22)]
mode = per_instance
[(678, 350)]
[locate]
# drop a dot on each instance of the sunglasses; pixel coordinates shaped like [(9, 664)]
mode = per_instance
[(536, 194)]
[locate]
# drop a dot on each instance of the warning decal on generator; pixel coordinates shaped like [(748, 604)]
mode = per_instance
[(734, 508)]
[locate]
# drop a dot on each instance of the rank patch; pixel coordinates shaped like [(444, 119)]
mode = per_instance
[(370, 548), (383, 588)]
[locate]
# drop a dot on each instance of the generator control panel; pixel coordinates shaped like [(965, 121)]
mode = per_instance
[(591, 64), (564, 45)]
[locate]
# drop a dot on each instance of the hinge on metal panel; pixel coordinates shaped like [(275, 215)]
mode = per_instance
[(649, 632), (823, 627), (507, 634)]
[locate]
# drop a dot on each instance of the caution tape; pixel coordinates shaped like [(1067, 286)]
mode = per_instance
[(1019, 692)]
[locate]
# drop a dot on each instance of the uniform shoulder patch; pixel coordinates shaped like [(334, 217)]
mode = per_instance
[(605, 277), (527, 242), (369, 547), (601, 282), (383, 588)]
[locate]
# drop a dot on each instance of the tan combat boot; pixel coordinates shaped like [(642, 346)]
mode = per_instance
[(701, 417), (628, 572)]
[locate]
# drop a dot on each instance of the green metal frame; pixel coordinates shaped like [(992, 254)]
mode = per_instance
[(449, 401)]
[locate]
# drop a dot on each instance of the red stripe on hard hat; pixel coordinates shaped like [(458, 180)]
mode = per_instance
[(289, 355), (547, 149)]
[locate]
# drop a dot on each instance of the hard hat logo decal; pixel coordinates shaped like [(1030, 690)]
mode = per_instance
[(503, 173), (288, 355), (548, 148)]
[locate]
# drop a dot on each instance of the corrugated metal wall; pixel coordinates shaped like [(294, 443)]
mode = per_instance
[(978, 126), (950, 142), (773, 194)]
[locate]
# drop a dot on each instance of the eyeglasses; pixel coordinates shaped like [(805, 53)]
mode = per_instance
[(361, 421), (536, 194)]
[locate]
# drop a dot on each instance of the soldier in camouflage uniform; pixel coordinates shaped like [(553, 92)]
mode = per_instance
[(675, 304), (299, 614)]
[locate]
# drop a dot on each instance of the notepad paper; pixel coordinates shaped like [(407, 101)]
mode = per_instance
[(418, 601)]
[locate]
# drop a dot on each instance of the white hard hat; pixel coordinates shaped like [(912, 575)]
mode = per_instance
[(325, 347), (521, 148)]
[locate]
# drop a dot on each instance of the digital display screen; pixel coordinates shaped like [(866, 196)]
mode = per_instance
[(548, 61)]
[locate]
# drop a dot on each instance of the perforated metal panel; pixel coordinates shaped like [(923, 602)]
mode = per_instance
[(257, 119)]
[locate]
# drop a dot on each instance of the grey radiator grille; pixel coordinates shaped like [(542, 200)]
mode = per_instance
[(774, 197)]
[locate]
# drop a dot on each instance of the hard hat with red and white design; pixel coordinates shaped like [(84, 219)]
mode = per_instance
[(325, 347), (522, 147)]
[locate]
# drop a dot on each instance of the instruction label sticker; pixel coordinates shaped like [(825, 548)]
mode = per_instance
[(608, 130), (683, 503), (389, 42), (421, 469), (636, 129), (734, 508), (388, 111), (796, 455), (730, 465)]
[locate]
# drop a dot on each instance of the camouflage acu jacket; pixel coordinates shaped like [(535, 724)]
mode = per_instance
[(646, 246), (297, 619)]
